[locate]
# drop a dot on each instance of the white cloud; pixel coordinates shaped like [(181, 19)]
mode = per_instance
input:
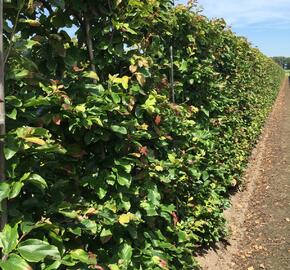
[(272, 14)]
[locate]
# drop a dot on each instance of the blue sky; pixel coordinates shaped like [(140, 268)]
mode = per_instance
[(266, 23)]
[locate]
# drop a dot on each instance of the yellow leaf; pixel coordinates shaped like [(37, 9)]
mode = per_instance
[(133, 68), (125, 81), (143, 62), (143, 127), (136, 155), (159, 168), (91, 211), (80, 108), (33, 23), (251, 268), (126, 218), (92, 75), (140, 78), (35, 140)]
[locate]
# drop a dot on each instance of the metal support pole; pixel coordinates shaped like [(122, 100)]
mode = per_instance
[(172, 94), (172, 76)]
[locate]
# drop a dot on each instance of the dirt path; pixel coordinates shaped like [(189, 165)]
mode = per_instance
[(259, 218)]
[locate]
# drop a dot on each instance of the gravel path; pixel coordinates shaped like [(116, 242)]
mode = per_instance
[(259, 218)]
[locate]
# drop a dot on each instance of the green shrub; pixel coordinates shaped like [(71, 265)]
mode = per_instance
[(104, 172)]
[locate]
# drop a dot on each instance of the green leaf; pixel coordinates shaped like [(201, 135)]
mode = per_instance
[(124, 179), (9, 238), (206, 112), (35, 250), (18, 74), (15, 189), (106, 235), (69, 214), (149, 208), (15, 262), (115, 97), (11, 147), (53, 266), (38, 181), (37, 101), (4, 190), (90, 225), (125, 253), (119, 129), (150, 104), (68, 261), (82, 256), (182, 236), (59, 3), (27, 226), (113, 267), (95, 89), (154, 195), (101, 192), (12, 114), (13, 101)]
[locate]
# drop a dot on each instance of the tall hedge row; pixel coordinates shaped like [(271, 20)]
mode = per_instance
[(104, 171)]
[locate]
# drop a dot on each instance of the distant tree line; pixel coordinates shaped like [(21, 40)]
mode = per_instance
[(282, 61)]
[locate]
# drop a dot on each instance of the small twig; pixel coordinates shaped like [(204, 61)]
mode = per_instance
[(11, 37)]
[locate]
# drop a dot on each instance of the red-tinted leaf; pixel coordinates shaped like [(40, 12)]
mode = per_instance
[(157, 120), (143, 150), (66, 107), (174, 218), (77, 69), (163, 264), (56, 119), (55, 82), (99, 267)]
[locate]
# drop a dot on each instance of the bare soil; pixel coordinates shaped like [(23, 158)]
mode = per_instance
[(259, 218)]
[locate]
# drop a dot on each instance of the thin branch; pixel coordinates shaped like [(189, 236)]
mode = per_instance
[(11, 37)]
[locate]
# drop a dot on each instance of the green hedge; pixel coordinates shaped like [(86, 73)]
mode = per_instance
[(103, 171)]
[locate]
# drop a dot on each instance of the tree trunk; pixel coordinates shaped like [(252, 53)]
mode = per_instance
[(2, 118)]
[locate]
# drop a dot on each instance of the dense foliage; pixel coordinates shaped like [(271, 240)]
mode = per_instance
[(104, 172)]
